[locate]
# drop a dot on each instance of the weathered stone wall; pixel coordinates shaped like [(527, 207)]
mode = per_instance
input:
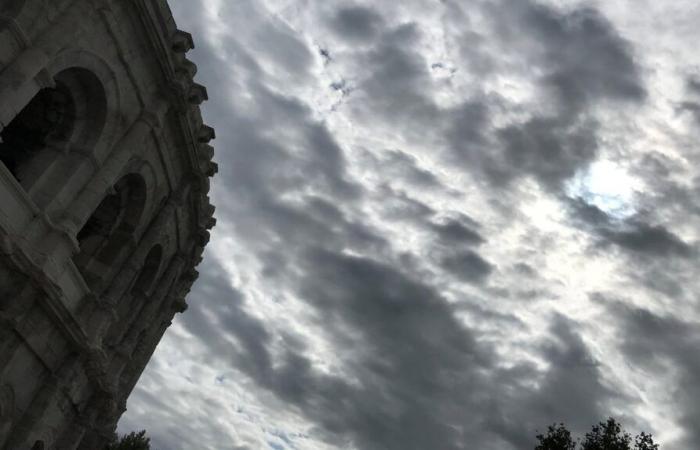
[(104, 213)]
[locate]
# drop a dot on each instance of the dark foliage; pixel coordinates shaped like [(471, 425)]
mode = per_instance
[(131, 441), (557, 438), (607, 435)]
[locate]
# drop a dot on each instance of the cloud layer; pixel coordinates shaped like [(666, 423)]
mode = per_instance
[(441, 225)]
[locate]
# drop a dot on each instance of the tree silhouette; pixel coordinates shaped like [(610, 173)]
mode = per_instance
[(557, 438), (607, 435), (131, 441)]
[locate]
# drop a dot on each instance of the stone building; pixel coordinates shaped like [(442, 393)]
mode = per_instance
[(104, 212)]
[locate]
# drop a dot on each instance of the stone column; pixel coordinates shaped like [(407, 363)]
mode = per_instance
[(100, 413), (92, 194)]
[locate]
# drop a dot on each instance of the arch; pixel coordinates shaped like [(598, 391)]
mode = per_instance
[(54, 174), (110, 228), (90, 105), (41, 145), (137, 166), (47, 120), (101, 73)]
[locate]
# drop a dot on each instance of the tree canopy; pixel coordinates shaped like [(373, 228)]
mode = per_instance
[(607, 435), (131, 441)]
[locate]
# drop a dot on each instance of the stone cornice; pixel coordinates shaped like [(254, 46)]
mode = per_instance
[(170, 45)]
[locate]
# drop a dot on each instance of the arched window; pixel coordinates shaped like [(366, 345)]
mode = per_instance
[(47, 119), (110, 229), (39, 142)]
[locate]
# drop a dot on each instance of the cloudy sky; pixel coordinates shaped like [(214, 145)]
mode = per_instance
[(442, 225)]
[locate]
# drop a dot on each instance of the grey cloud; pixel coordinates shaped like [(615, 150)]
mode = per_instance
[(421, 373), (525, 269), (549, 148), (357, 23), (649, 239), (468, 266), (573, 378), (633, 234), (269, 39), (453, 231), (692, 104), (219, 306), (656, 342), (467, 129), (398, 82), (585, 60), (587, 57), (407, 335), (693, 84), (398, 205), (587, 214), (407, 167)]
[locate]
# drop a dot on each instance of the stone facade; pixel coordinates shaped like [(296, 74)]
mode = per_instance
[(104, 212)]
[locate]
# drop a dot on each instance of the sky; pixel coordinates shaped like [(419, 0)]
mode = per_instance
[(441, 225)]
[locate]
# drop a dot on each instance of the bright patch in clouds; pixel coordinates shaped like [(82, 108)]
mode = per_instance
[(607, 185)]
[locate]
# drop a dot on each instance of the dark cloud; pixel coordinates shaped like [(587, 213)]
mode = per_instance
[(548, 148), (693, 84), (650, 239), (408, 168), (357, 23), (665, 346), (632, 234), (587, 57), (585, 60), (467, 130), (691, 104), (398, 205), (453, 231), (420, 374), (396, 82), (467, 265)]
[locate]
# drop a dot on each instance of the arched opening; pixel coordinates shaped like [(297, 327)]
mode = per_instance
[(47, 120), (59, 123), (110, 229)]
